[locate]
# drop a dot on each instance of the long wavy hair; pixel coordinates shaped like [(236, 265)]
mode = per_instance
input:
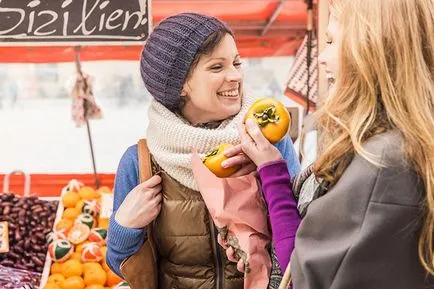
[(385, 81)]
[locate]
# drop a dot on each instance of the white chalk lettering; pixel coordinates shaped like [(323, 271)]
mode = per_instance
[(66, 3), (34, 3), (65, 23), (54, 17), (112, 17), (14, 10), (31, 21), (104, 5), (128, 18), (101, 22), (84, 18)]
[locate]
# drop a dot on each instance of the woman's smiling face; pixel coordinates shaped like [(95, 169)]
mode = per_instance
[(329, 57), (213, 91)]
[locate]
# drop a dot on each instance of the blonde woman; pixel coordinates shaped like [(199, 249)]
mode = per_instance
[(368, 205)]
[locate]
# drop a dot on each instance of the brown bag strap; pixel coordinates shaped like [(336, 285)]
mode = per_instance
[(145, 173), (145, 167)]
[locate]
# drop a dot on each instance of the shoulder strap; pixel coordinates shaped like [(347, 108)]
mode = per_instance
[(145, 167), (145, 173)]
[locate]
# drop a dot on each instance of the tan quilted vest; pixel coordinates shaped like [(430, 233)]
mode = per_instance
[(184, 252), (186, 241)]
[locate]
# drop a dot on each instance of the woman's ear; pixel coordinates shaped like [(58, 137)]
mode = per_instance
[(185, 89), (184, 97)]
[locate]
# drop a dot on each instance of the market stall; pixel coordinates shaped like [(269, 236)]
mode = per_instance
[(263, 28)]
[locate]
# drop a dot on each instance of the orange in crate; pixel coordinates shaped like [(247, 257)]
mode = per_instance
[(104, 251), (52, 286), (72, 268), (64, 225), (75, 256), (74, 282), (71, 213), (112, 279), (56, 279), (56, 268), (103, 223), (70, 199), (91, 266), (97, 195), (79, 205), (105, 266), (95, 286), (87, 193), (104, 189), (103, 261), (95, 277)]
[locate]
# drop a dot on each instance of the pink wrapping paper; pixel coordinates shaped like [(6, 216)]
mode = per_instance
[(240, 214)]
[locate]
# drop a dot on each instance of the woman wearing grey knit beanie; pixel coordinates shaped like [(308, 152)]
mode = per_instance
[(191, 66)]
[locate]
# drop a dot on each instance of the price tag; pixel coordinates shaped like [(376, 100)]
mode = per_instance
[(106, 206), (4, 237)]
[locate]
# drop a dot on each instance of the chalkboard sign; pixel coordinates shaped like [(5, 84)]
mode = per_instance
[(74, 22)]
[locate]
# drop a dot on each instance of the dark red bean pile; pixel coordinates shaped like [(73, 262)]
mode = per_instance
[(30, 220)]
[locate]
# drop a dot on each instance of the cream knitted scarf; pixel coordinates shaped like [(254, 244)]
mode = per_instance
[(170, 139)]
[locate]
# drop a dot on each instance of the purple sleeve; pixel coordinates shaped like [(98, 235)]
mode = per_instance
[(284, 217)]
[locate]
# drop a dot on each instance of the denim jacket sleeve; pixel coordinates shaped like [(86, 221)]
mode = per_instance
[(123, 242), (287, 150)]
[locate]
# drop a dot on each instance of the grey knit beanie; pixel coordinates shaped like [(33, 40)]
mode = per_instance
[(170, 51)]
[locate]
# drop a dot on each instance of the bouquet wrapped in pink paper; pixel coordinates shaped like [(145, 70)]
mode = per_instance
[(240, 215)]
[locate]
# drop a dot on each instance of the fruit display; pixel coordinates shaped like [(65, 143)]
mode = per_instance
[(271, 116), (78, 243), (28, 221), (215, 157)]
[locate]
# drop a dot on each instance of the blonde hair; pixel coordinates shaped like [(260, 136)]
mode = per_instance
[(385, 81)]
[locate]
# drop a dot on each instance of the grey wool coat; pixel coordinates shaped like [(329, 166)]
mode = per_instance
[(363, 233)]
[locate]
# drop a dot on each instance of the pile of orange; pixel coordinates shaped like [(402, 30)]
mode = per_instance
[(73, 273)]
